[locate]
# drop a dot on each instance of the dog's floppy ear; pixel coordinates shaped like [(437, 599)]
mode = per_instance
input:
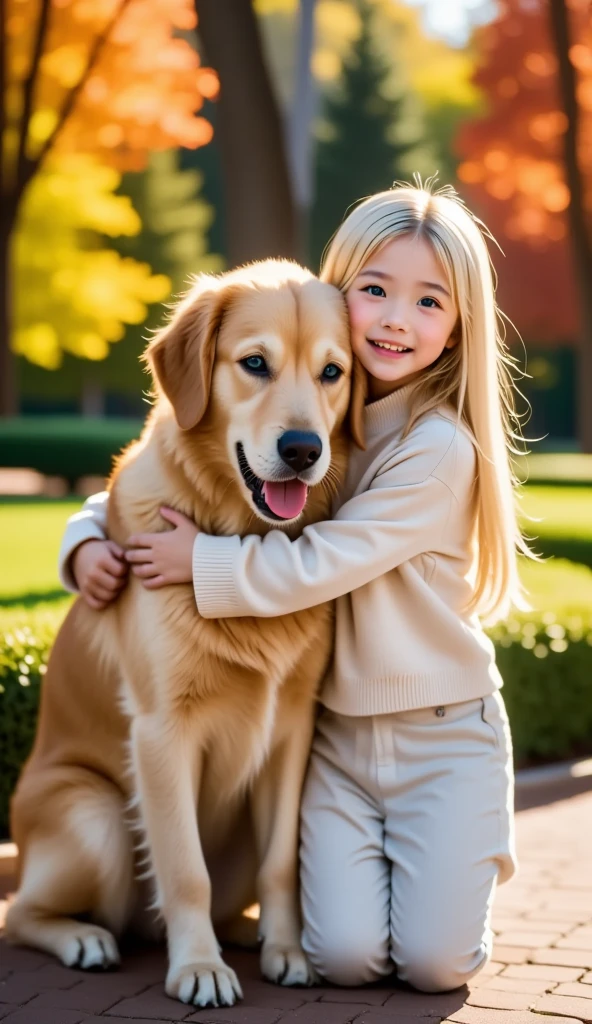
[(357, 402), (181, 356)]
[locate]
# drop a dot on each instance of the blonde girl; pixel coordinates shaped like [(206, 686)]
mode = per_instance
[(407, 807)]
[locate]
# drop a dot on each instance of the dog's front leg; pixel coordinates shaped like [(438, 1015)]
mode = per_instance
[(167, 766), (276, 807)]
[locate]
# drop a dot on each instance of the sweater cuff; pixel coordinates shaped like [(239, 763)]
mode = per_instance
[(214, 584), (80, 528)]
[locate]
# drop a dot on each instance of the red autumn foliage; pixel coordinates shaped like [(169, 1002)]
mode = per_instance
[(512, 171)]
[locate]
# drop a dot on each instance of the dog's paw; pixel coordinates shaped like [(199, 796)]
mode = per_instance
[(90, 948), (287, 965), (204, 984)]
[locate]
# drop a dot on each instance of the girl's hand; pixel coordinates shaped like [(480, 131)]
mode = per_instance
[(100, 572), (160, 559)]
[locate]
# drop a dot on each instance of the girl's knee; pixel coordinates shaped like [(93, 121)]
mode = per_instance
[(440, 972), (348, 960)]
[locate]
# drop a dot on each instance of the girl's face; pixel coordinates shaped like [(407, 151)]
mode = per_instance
[(402, 313)]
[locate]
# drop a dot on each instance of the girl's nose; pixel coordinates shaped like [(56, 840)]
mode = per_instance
[(395, 320)]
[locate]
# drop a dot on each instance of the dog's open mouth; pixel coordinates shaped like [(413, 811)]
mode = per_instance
[(281, 499)]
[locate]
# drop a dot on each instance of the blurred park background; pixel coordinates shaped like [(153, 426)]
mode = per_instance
[(146, 140)]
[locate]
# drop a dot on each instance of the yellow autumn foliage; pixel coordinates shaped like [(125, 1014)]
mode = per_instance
[(72, 294)]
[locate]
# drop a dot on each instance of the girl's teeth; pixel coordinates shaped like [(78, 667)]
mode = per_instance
[(391, 348)]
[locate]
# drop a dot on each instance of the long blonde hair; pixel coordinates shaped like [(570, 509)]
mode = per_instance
[(475, 376)]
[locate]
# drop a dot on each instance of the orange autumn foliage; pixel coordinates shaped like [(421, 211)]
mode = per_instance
[(143, 92), (512, 167)]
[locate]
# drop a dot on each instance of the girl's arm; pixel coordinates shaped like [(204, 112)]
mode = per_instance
[(372, 533), (272, 575), (403, 513), (88, 562), (88, 524)]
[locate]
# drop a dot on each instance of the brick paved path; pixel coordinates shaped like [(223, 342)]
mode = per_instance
[(541, 972)]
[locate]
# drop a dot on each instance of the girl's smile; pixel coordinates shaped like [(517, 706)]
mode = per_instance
[(402, 313), (388, 348)]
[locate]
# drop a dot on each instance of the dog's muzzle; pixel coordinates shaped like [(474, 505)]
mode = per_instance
[(283, 500)]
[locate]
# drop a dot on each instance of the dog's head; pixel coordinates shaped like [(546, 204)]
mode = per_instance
[(264, 353)]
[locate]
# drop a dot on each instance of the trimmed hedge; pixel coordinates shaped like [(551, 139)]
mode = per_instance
[(546, 665), (67, 446), (555, 545)]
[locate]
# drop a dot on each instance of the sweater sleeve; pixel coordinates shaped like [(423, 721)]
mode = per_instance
[(88, 524), (371, 534)]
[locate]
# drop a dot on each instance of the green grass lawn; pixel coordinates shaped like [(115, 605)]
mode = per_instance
[(30, 535), (558, 586), (558, 511), (559, 521)]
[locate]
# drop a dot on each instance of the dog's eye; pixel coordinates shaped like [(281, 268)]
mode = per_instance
[(331, 372), (255, 365)]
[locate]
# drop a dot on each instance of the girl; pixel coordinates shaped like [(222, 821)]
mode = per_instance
[(407, 807)]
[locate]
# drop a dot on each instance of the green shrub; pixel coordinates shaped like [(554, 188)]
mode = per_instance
[(546, 665), (68, 446), (23, 658), (25, 642)]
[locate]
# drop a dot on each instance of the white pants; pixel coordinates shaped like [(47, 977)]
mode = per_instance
[(407, 824)]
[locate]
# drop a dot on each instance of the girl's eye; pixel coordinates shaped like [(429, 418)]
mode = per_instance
[(375, 289), (255, 365), (331, 372), (429, 302)]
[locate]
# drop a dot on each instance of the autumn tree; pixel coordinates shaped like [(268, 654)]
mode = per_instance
[(68, 296), (175, 220), (174, 242), (102, 77), (362, 143), (167, 202), (310, 76), (527, 169)]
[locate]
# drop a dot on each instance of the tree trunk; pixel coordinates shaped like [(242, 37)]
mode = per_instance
[(8, 389), (260, 213), (300, 136), (577, 217)]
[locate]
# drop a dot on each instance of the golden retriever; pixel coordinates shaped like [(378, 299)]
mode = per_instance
[(203, 726)]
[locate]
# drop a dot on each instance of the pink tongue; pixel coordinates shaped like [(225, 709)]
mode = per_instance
[(285, 499)]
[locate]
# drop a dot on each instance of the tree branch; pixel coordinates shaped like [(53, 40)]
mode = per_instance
[(71, 99), (28, 93)]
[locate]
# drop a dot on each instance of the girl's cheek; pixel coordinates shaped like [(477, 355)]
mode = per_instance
[(356, 312)]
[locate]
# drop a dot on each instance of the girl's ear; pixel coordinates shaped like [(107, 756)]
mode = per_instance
[(357, 402)]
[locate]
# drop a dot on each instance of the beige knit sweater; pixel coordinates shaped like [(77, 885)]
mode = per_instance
[(395, 557)]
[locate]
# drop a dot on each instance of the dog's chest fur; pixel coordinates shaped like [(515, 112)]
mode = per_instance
[(253, 665)]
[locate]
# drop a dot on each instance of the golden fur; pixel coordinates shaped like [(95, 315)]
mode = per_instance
[(149, 711)]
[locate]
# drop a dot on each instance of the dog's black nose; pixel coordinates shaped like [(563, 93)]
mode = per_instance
[(299, 449)]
